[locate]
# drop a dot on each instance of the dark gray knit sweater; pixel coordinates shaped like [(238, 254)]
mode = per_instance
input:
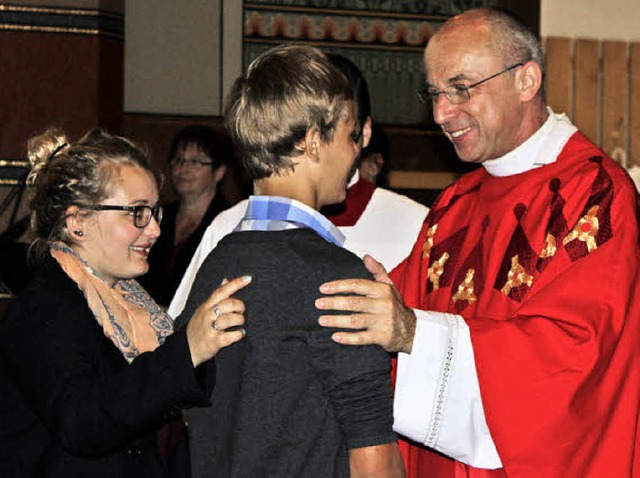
[(288, 401)]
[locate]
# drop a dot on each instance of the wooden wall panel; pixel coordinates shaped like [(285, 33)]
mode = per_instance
[(62, 64), (586, 88), (634, 104), (53, 79), (615, 100), (559, 74)]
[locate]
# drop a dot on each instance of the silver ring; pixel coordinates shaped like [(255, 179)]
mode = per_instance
[(216, 309)]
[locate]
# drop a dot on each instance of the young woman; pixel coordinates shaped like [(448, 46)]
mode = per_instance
[(89, 367)]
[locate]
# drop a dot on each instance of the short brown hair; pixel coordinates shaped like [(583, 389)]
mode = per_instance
[(285, 92), (212, 142)]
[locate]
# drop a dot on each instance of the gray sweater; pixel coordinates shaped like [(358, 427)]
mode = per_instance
[(288, 401)]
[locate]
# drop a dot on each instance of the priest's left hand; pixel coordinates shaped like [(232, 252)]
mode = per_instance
[(377, 311)]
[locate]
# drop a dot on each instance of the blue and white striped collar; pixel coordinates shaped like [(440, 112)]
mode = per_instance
[(276, 213)]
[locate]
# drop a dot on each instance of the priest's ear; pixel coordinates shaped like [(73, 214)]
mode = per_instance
[(529, 80)]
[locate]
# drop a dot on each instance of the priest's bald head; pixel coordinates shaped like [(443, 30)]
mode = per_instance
[(485, 77)]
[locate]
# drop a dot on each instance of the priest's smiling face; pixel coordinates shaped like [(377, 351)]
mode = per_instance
[(486, 123)]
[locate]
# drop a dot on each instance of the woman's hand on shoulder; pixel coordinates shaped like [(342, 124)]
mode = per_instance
[(218, 322)]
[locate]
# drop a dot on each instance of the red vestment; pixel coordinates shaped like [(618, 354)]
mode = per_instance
[(544, 268)]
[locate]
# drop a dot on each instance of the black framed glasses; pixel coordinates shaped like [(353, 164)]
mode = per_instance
[(458, 94), (190, 163), (142, 214)]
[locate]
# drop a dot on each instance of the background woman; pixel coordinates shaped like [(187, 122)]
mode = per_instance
[(199, 158), (89, 367)]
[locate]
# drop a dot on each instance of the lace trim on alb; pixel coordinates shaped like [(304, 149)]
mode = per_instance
[(443, 388)]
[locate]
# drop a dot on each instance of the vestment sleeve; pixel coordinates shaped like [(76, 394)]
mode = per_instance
[(437, 398)]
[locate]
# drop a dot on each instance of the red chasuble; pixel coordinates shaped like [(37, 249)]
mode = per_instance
[(544, 267)]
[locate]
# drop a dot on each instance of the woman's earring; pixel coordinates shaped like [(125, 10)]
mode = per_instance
[(78, 233)]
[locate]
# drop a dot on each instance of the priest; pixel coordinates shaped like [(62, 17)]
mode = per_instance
[(517, 315)]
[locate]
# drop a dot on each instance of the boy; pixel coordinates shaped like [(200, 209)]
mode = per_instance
[(287, 401)]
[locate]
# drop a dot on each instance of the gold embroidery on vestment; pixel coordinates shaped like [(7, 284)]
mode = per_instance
[(586, 230), (465, 289), (549, 249), (436, 270), (516, 277), (428, 244)]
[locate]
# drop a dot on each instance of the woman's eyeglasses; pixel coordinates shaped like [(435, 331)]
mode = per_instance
[(142, 214)]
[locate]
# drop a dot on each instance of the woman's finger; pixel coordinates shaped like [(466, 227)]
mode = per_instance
[(231, 337), (230, 305), (224, 291), (224, 322)]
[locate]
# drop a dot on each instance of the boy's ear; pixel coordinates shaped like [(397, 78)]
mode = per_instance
[(312, 142)]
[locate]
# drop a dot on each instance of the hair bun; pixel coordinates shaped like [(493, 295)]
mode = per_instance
[(42, 148)]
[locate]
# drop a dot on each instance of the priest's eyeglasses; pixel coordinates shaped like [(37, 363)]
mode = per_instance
[(142, 214), (458, 94)]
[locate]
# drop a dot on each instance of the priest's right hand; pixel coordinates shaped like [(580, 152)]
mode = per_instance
[(378, 312)]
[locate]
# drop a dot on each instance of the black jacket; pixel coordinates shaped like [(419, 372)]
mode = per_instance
[(70, 404)]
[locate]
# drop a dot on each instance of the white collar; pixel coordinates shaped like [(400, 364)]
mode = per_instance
[(355, 178), (542, 148)]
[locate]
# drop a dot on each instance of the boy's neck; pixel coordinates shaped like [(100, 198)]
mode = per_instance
[(288, 186)]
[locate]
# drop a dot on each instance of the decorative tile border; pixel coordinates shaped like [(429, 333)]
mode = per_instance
[(61, 20), (445, 8), (339, 26)]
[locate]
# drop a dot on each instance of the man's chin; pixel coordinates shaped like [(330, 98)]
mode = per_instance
[(467, 156)]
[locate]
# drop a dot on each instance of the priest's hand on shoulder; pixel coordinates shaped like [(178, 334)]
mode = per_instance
[(374, 310)]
